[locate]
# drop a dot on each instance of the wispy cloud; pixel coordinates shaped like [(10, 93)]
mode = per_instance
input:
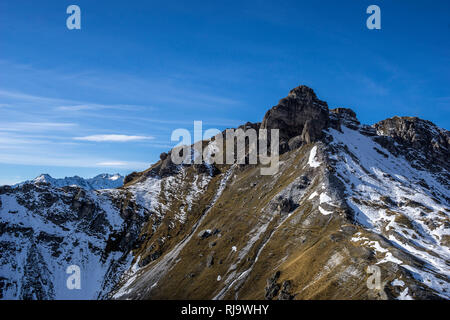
[(26, 97), (113, 138), (36, 126), (70, 161), (110, 164), (79, 107), (95, 107)]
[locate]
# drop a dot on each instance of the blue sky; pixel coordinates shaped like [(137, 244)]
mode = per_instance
[(140, 69)]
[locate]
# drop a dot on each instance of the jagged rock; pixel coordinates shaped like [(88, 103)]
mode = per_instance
[(285, 293), (301, 113), (286, 205), (410, 135), (343, 116), (272, 287)]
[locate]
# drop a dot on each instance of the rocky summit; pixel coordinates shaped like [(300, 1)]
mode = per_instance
[(355, 211)]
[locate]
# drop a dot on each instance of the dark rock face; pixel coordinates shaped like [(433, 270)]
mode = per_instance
[(130, 177), (272, 288), (414, 137), (343, 116), (165, 167), (285, 291), (301, 115)]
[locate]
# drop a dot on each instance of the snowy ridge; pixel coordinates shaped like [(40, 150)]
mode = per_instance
[(99, 182), (43, 230), (390, 197)]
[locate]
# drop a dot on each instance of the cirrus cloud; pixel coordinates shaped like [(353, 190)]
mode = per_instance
[(113, 138), (112, 164)]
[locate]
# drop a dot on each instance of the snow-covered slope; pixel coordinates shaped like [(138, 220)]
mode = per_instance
[(409, 207), (44, 230), (99, 182)]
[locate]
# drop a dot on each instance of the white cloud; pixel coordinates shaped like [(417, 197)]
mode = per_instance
[(76, 108), (113, 138), (36, 126), (112, 164), (95, 107)]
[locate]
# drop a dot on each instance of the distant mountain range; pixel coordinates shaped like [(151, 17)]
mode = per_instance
[(99, 182)]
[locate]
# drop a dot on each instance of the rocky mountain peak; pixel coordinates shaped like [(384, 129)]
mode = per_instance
[(300, 117), (415, 136), (303, 92)]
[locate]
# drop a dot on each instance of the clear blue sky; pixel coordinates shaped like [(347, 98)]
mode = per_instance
[(140, 69)]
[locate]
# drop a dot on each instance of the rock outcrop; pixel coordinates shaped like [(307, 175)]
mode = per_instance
[(414, 137), (301, 115)]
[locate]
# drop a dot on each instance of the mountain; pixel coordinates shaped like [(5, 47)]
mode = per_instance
[(353, 212), (45, 229), (99, 182)]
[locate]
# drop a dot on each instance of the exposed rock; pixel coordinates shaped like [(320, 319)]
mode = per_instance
[(285, 293), (204, 234), (413, 137), (343, 116), (130, 177), (272, 287), (295, 142), (301, 113)]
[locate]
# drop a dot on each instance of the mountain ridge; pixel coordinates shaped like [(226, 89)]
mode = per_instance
[(100, 181), (347, 199)]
